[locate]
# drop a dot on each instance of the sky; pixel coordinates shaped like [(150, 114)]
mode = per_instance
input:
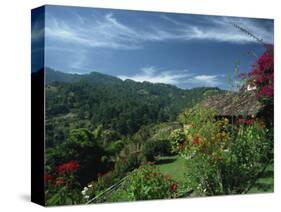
[(184, 50)]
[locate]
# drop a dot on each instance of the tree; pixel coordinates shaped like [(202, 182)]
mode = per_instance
[(81, 146)]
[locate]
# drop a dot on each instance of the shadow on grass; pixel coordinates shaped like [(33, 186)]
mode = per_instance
[(165, 161)]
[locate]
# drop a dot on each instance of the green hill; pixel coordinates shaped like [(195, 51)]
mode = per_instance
[(75, 101)]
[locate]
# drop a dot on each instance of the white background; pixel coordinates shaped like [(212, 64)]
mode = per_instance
[(15, 104)]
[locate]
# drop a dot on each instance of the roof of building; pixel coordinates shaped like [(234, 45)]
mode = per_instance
[(234, 103)]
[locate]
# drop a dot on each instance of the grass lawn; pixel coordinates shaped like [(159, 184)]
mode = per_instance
[(174, 166), (265, 183)]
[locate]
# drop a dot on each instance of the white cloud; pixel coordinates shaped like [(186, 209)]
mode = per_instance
[(151, 74), (206, 80), (180, 78), (108, 32), (222, 29)]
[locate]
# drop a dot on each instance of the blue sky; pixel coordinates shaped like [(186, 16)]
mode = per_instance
[(180, 49)]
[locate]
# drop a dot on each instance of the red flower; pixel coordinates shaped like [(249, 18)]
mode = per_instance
[(68, 167), (48, 178), (173, 187)]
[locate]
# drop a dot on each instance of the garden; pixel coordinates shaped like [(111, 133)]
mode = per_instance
[(202, 153)]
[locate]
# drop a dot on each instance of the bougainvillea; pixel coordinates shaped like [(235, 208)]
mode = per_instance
[(262, 74)]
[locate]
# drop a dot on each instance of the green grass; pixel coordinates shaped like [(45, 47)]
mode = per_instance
[(265, 182), (174, 166)]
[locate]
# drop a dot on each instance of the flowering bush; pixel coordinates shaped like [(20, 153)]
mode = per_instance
[(221, 158), (147, 182), (177, 139), (201, 133), (262, 75), (62, 186), (68, 167)]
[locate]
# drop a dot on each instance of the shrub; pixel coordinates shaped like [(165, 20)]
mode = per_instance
[(221, 159), (201, 133), (120, 195), (124, 165), (153, 148), (148, 183), (115, 147), (83, 147), (62, 186), (246, 158)]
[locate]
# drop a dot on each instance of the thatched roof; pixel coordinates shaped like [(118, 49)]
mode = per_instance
[(234, 103)]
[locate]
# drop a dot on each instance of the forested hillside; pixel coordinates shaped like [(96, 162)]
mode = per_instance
[(91, 100), (126, 140)]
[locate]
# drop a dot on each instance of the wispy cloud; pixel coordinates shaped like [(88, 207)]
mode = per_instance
[(204, 80), (108, 32), (223, 30), (180, 78), (151, 74)]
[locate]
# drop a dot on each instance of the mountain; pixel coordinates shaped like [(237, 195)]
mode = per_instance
[(57, 76), (94, 99)]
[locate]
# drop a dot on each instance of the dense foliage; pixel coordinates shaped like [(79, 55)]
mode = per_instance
[(87, 101), (106, 138), (61, 184), (146, 183), (221, 158), (83, 147)]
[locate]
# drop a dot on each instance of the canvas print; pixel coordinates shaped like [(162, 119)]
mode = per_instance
[(137, 105)]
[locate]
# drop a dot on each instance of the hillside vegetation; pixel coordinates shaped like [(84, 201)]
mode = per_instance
[(109, 140), (87, 101)]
